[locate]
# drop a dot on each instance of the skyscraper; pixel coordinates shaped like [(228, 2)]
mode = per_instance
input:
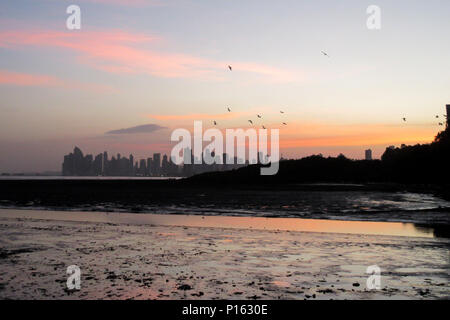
[(149, 166), (105, 163), (368, 154), (448, 113), (156, 164), (130, 165), (142, 167), (164, 166)]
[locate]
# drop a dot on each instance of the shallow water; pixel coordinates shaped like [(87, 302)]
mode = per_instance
[(337, 205), (255, 223)]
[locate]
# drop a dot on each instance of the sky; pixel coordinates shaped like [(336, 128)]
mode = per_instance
[(159, 65)]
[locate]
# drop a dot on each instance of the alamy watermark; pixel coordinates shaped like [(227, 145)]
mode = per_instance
[(251, 142), (74, 279), (374, 280), (73, 21), (374, 20)]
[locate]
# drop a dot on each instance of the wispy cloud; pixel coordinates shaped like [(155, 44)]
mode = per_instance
[(38, 80), (123, 52), (145, 128), (25, 79)]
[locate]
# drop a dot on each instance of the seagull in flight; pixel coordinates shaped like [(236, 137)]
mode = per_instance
[(285, 123), (250, 121), (215, 123), (263, 127), (404, 119), (325, 54), (229, 67), (437, 116), (229, 110), (258, 116), (281, 111), (441, 124)]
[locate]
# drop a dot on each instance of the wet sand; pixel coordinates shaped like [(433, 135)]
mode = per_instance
[(135, 260)]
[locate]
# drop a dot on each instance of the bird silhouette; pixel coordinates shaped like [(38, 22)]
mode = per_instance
[(215, 123), (437, 116), (441, 124), (263, 127), (285, 123), (250, 121), (229, 67), (404, 119), (281, 111), (258, 116), (229, 110), (325, 54)]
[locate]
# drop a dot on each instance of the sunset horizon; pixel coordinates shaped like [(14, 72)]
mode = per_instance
[(224, 159), (62, 88)]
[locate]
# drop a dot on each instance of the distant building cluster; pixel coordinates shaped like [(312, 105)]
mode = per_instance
[(78, 164)]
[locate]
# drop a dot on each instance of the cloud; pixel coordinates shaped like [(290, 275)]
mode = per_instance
[(124, 52), (25, 79), (36, 80), (145, 128)]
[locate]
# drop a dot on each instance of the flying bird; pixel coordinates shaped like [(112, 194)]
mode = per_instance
[(229, 67), (404, 119), (250, 121), (263, 127), (441, 124), (325, 54), (258, 116), (281, 111), (229, 110), (437, 116), (285, 123), (215, 123)]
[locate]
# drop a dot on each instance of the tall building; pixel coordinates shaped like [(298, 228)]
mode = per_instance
[(98, 165), (368, 154), (149, 166), (105, 163), (76, 164), (130, 165), (156, 164), (448, 114), (142, 167)]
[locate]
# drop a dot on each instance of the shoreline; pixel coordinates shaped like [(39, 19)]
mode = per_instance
[(145, 261), (228, 222), (309, 201)]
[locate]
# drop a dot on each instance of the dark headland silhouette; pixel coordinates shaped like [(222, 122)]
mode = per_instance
[(418, 164)]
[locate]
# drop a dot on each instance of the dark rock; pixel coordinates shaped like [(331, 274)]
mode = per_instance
[(184, 287)]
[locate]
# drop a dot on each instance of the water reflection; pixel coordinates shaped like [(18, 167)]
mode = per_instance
[(258, 223)]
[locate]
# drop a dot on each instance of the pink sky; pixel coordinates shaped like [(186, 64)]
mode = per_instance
[(166, 63)]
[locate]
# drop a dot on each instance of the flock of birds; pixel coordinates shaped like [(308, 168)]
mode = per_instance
[(284, 123), (437, 117), (258, 115), (251, 121)]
